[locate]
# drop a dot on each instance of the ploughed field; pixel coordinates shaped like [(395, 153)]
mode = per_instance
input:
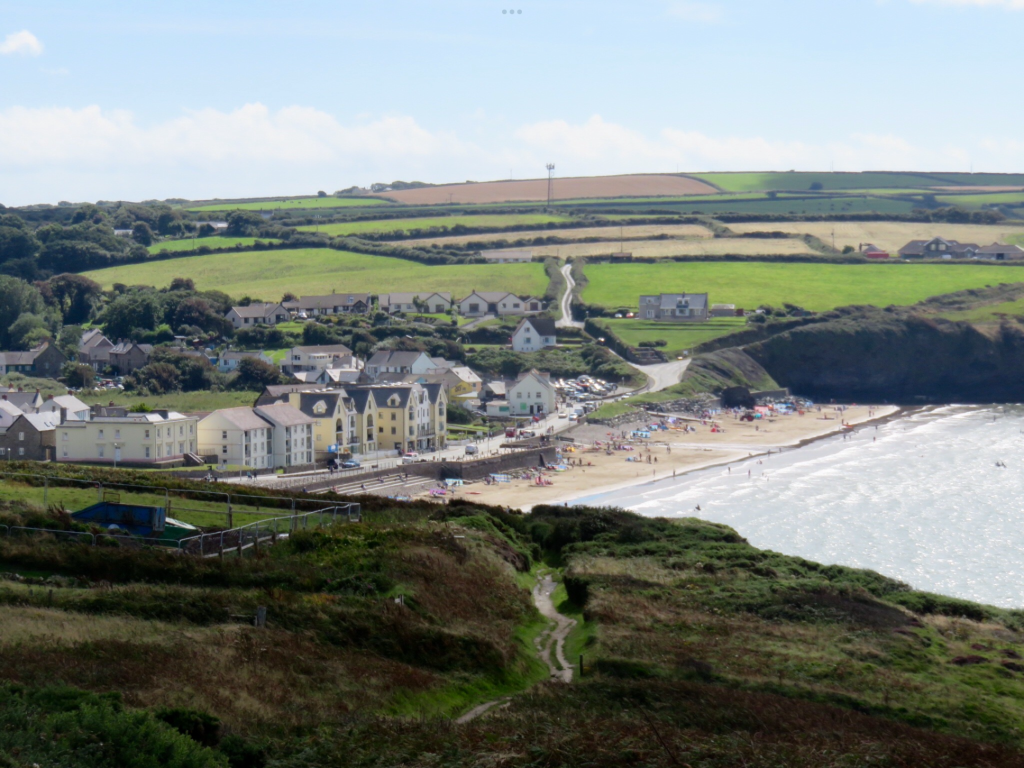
[(575, 233), (634, 185), (406, 225), (816, 287), (312, 271), (891, 235)]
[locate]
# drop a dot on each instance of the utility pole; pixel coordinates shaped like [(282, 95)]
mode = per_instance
[(551, 168)]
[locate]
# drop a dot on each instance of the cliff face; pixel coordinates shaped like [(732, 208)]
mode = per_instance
[(865, 353)]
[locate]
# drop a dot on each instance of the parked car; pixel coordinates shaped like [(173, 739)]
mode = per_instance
[(472, 450), (350, 464)]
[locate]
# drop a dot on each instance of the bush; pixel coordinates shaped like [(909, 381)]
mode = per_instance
[(199, 726)]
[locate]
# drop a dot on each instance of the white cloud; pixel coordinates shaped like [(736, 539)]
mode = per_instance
[(50, 154), (21, 42), (1014, 5), (703, 13)]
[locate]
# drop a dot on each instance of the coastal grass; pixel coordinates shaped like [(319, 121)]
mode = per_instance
[(301, 203), (312, 271), (202, 401), (679, 336), (496, 221), (816, 287), (214, 242)]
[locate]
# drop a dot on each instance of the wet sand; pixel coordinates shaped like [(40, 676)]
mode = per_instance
[(676, 451)]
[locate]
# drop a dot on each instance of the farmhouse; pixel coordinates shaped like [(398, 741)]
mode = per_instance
[(507, 257), (257, 314), (431, 303), (330, 304), (938, 248), (127, 356), (43, 361), (94, 349), (1000, 252), (533, 333), (674, 307)]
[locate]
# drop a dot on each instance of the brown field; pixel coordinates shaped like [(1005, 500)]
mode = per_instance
[(891, 235), (605, 233), (635, 185), (657, 248)]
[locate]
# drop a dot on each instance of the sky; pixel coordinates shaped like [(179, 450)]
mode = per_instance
[(116, 100)]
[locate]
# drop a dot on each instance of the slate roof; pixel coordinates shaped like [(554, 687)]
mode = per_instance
[(243, 417), (544, 326), (283, 415), (256, 310), (338, 350), (329, 300)]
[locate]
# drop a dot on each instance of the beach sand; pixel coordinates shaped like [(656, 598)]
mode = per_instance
[(676, 452)]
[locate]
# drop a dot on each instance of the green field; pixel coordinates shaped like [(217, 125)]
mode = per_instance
[(680, 336), (978, 200), (214, 242), (313, 271), (752, 182), (184, 402), (301, 203), (816, 287), (762, 204), (398, 225), (989, 313)]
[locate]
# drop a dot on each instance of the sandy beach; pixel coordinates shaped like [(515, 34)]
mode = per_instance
[(666, 453)]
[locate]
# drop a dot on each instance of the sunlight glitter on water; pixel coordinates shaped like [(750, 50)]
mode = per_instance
[(921, 499)]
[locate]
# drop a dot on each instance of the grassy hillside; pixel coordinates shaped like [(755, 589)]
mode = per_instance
[(399, 225), (294, 204), (813, 286), (697, 649), (269, 274), (215, 241), (799, 182), (679, 336)]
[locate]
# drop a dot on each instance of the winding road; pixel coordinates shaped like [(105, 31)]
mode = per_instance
[(566, 321)]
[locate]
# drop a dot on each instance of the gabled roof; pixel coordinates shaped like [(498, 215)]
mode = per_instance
[(93, 338), (544, 326), (42, 422), (329, 300), (338, 350), (124, 347), (283, 415), (341, 375), (1000, 248), (491, 297), (70, 402), (257, 310), (400, 358), (361, 398), (233, 355), (242, 417), (26, 401), (387, 299)]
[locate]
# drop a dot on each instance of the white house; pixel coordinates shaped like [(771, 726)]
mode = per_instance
[(435, 303), (318, 358), (69, 407), (257, 314), (387, 361), (531, 394), (292, 434), (507, 257), (237, 437), (228, 361), (480, 303), (533, 333)]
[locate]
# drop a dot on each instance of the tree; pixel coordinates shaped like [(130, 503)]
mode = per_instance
[(142, 234), (254, 374), (16, 298), (68, 340), (321, 193), (205, 230), (129, 312), (314, 334), (243, 222), (28, 331), (817, 186), (182, 284), (74, 296), (78, 375), (17, 243), (154, 378)]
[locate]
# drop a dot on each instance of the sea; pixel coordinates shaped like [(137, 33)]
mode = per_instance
[(934, 498)]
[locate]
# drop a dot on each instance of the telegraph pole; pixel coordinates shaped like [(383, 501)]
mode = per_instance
[(551, 168)]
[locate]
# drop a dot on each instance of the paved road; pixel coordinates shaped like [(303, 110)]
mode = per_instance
[(566, 321), (664, 375)]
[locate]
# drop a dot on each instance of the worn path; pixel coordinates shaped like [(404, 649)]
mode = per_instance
[(550, 646)]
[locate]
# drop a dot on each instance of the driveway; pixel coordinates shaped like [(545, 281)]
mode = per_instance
[(566, 321)]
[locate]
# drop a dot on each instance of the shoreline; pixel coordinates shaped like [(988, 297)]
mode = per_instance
[(899, 412)]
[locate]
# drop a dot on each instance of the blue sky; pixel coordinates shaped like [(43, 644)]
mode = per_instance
[(130, 100)]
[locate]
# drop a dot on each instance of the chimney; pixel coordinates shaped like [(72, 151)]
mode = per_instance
[(49, 397), (110, 404), (20, 389)]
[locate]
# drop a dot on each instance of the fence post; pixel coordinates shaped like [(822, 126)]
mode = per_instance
[(46, 489), (261, 616), (99, 492), (231, 516)]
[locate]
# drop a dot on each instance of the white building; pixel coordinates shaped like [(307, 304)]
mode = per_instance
[(69, 407), (237, 437), (432, 303), (531, 394), (139, 438), (533, 333), (387, 361), (292, 434), (319, 358)]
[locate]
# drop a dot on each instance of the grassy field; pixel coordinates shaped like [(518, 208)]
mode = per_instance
[(186, 402), (813, 286), (657, 248), (978, 200), (989, 313), (296, 204), (680, 336), (823, 204), (312, 271), (400, 225), (215, 241), (576, 233), (752, 182), (891, 235)]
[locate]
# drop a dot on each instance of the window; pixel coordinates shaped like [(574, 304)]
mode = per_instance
[(64, 452), (147, 451), (181, 430), (191, 427), (21, 451), (519, 395), (101, 434), (394, 416), (64, 437), (181, 447), (223, 434), (117, 434), (100, 451), (147, 434), (21, 436), (224, 449), (394, 431), (411, 431), (382, 430), (159, 432)]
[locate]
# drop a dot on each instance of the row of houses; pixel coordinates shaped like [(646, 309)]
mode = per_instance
[(476, 304), (942, 248)]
